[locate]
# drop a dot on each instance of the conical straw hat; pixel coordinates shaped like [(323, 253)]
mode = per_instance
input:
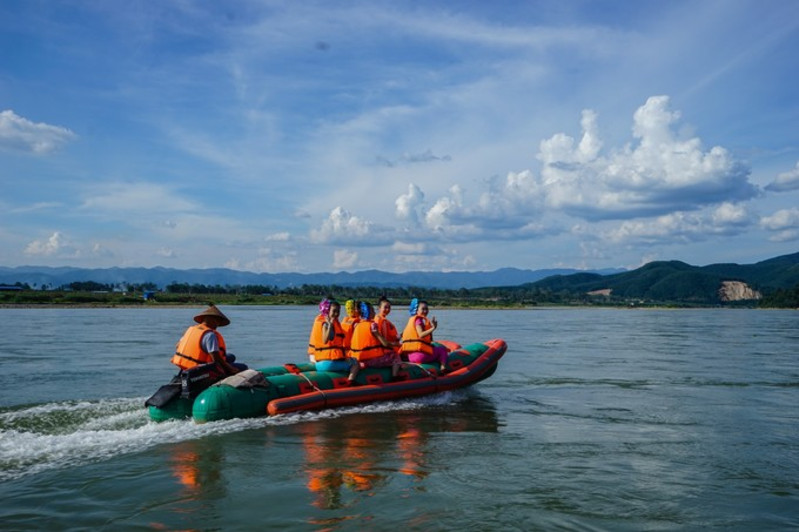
[(212, 311)]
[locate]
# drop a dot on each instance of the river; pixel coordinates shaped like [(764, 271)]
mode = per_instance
[(596, 419)]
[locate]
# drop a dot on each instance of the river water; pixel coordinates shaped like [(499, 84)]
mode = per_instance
[(596, 419)]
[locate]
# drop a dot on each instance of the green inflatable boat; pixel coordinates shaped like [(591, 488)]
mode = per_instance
[(297, 387)]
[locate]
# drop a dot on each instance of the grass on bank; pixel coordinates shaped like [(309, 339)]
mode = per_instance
[(438, 299), (111, 299)]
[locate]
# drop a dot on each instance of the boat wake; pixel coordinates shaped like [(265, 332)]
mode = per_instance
[(38, 438)]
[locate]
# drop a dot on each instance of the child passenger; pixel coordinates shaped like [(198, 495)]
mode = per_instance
[(370, 347), (326, 344), (417, 338)]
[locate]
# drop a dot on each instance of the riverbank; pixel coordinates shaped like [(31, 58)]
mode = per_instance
[(35, 299), (436, 298)]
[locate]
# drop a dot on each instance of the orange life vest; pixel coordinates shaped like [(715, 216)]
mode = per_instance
[(411, 342), (365, 345), (387, 329), (189, 351), (333, 350), (348, 325)]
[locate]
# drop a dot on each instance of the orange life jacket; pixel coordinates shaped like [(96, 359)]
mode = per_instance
[(332, 350), (387, 329), (189, 351), (348, 325), (365, 345), (411, 342)]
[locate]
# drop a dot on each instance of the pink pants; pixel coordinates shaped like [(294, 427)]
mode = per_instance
[(439, 355)]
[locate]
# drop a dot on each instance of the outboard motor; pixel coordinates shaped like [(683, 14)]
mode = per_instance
[(195, 380), (187, 384)]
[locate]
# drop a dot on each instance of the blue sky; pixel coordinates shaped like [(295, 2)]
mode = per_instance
[(326, 136)]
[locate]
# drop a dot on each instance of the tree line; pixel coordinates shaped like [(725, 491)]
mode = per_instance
[(523, 295)]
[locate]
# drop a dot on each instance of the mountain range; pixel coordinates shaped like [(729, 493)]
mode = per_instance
[(49, 277), (656, 281), (678, 281)]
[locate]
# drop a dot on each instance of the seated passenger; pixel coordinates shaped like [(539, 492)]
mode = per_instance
[(327, 342), (203, 344), (370, 348), (384, 326), (417, 338), (350, 320)]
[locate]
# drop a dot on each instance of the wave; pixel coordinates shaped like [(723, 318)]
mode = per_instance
[(38, 438)]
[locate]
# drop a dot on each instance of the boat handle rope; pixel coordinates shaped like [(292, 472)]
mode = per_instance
[(431, 375), (296, 371)]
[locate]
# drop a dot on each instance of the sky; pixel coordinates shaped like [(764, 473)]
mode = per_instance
[(283, 136)]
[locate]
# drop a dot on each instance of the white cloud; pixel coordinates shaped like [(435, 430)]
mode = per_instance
[(343, 259), (39, 206), (413, 158), (20, 134), (408, 205), (451, 219), (406, 248), (279, 237), (730, 215), (268, 260), (166, 253), (99, 250), (726, 219), (54, 246), (509, 209), (136, 198), (658, 175), (784, 223), (342, 227), (786, 181)]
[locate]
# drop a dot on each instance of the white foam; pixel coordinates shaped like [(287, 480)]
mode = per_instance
[(59, 435)]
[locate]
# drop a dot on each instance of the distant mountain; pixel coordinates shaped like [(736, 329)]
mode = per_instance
[(681, 282), (38, 276)]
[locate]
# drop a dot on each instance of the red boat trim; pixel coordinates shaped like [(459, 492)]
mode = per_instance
[(368, 393)]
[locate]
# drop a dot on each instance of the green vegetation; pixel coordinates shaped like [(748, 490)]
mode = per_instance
[(782, 298), (676, 283), (252, 295), (664, 283)]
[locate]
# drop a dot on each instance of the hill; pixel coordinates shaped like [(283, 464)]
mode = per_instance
[(677, 281), (42, 276)]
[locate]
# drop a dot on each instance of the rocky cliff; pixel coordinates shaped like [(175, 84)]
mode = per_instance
[(737, 291)]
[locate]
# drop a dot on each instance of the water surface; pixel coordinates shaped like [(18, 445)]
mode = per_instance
[(595, 420)]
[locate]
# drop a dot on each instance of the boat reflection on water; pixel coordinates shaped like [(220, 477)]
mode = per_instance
[(197, 466), (354, 456)]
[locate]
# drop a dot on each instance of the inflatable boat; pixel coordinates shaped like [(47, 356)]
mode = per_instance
[(198, 393)]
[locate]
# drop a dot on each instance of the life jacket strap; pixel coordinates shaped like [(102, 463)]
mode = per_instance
[(187, 357)]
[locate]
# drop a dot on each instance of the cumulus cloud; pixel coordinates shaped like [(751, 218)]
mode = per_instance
[(509, 209), (22, 135), (342, 227), (451, 218), (661, 187), (408, 205), (784, 224), (726, 219), (54, 246), (657, 174), (785, 181), (343, 258)]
